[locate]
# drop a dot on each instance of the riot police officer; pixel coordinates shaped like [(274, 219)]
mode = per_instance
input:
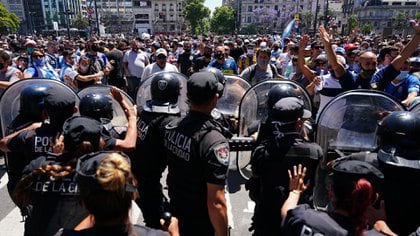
[(149, 158), (198, 157), (30, 111), (59, 104), (398, 156), (281, 147), (49, 186), (100, 107)]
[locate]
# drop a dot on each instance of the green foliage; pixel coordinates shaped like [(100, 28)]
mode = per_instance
[(195, 12), (250, 29), (400, 19), (80, 22), (8, 20), (204, 26), (366, 28), (418, 15), (223, 20), (352, 22)]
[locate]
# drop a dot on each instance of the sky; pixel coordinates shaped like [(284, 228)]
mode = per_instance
[(213, 4)]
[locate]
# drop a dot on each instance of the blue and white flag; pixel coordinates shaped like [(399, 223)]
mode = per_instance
[(287, 31)]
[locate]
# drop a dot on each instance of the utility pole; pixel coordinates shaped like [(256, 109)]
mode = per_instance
[(316, 15), (67, 12), (326, 14), (97, 19)]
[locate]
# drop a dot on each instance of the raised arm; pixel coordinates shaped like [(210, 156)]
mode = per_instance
[(296, 187), (398, 62), (338, 68), (306, 71)]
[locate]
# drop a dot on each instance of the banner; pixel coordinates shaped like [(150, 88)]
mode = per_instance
[(287, 31)]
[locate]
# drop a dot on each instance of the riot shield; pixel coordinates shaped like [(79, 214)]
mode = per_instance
[(415, 107), (11, 117), (143, 93), (253, 110), (227, 108), (119, 119), (346, 125), (10, 100)]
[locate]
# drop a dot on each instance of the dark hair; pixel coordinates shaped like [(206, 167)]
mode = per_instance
[(4, 55), (264, 50)]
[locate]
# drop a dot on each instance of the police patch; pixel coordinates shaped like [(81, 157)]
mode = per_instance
[(162, 84), (221, 152)]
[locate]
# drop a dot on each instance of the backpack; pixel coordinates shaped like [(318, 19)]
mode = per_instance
[(253, 69)]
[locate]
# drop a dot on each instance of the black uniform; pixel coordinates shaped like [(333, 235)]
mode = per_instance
[(112, 231), (198, 153), (54, 201), (270, 162), (148, 162)]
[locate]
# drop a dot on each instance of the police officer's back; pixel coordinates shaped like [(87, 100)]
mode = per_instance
[(198, 157), (149, 158), (59, 104), (282, 148), (30, 111), (398, 156), (49, 187)]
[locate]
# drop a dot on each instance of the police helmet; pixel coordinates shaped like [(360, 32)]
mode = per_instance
[(96, 106), (278, 92), (220, 76), (401, 128), (165, 88), (32, 100)]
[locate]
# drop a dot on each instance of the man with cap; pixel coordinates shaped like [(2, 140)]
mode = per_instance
[(281, 148), (198, 157), (160, 65)]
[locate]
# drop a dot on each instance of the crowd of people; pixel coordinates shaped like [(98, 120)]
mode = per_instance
[(77, 175)]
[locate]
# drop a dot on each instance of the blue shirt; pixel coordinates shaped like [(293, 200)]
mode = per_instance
[(229, 67), (402, 89)]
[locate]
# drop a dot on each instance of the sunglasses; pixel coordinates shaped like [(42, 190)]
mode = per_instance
[(38, 56), (161, 57)]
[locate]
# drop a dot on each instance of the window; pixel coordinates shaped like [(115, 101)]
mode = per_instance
[(249, 8)]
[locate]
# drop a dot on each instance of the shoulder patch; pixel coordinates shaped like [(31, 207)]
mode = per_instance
[(221, 151)]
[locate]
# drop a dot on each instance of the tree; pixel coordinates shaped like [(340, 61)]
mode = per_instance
[(8, 20), (352, 22), (366, 28), (195, 12), (223, 20), (418, 15), (400, 19), (80, 22)]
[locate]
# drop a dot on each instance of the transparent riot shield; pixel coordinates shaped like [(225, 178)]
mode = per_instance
[(144, 94), (10, 100), (11, 117), (253, 110), (415, 107), (228, 105), (119, 118), (346, 125)]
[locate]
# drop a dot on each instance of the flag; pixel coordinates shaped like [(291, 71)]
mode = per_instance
[(287, 31)]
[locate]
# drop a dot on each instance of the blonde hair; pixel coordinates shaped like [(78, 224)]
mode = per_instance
[(113, 172), (111, 201)]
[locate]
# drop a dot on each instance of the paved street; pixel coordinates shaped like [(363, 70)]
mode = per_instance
[(239, 216)]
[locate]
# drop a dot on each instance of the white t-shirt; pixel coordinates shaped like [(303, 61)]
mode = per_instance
[(154, 68), (137, 61)]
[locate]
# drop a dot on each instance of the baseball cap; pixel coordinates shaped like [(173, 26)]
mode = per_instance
[(350, 46), (414, 60), (60, 100), (161, 51), (289, 109), (350, 170), (88, 164), (340, 50), (30, 43), (202, 86), (78, 129)]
